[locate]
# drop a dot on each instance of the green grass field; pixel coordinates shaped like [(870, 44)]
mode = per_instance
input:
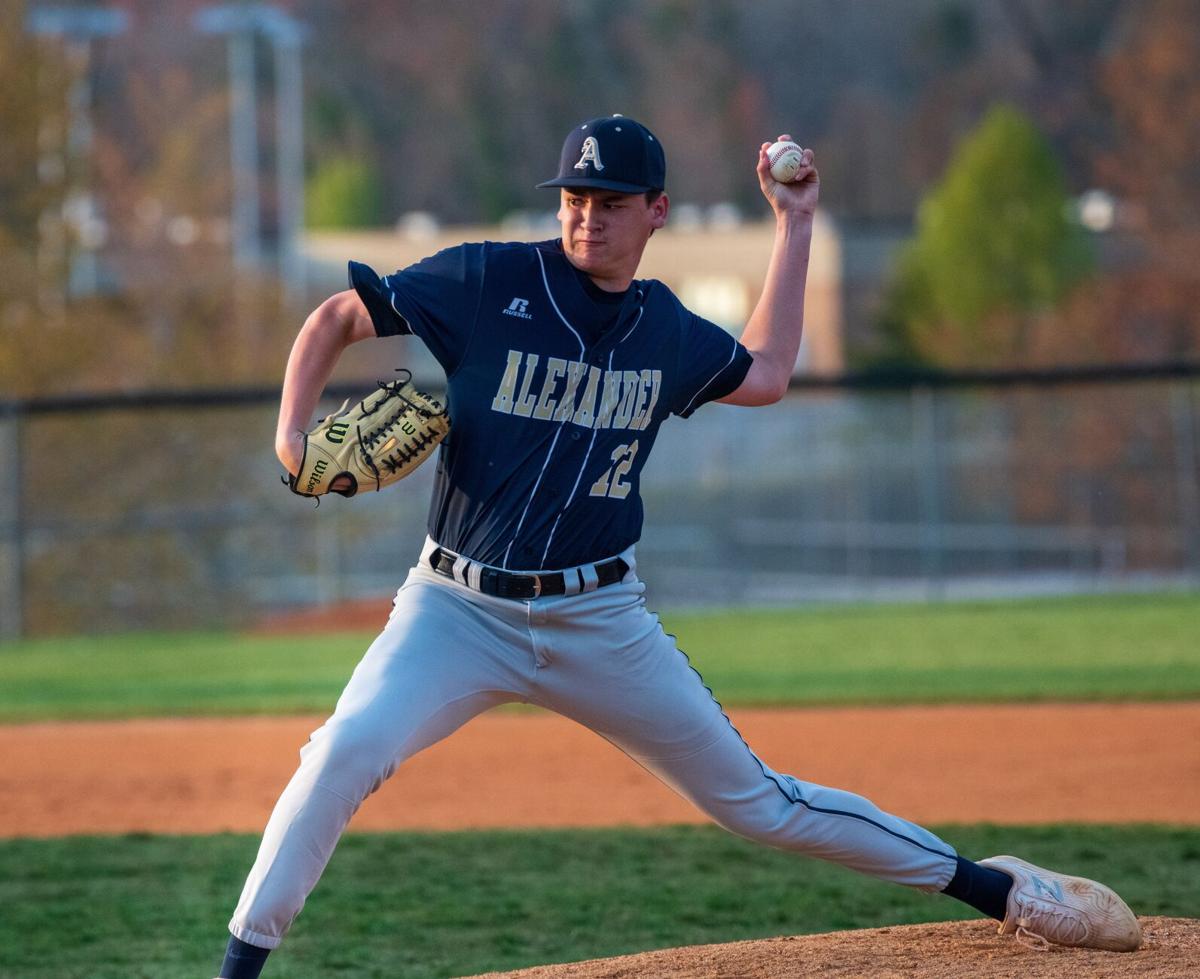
[(1131, 647), (434, 905)]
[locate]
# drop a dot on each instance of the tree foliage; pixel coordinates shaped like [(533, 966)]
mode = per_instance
[(994, 239), (344, 193), (459, 109)]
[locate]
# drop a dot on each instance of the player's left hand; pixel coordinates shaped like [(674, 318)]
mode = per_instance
[(797, 197), (372, 444), (291, 453)]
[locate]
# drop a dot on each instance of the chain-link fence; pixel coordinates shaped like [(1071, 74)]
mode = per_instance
[(164, 511)]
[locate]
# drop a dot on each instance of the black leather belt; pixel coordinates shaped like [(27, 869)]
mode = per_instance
[(505, 584)]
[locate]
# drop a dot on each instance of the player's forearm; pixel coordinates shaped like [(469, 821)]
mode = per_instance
[(325, 334), (774, 329)]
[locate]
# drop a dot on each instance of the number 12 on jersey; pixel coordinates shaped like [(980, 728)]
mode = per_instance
[(610, 484)]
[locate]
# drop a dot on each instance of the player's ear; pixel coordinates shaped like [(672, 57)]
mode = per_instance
[(659, 210)]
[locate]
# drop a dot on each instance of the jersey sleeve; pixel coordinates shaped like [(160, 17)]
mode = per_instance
[(712, 365), (436, 300)]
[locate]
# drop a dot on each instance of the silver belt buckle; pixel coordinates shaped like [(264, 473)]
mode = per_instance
[(537, 585)]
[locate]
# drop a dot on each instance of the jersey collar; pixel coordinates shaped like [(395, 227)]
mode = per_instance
[(577, 307)]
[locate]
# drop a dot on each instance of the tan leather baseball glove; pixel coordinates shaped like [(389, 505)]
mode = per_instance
[(373, 443)]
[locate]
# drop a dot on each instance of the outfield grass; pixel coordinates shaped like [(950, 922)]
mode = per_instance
[(1133, 647), (435, 905), (1130, 647)]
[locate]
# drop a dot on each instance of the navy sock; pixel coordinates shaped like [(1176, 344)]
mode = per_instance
[(984, 889), (243, 961)]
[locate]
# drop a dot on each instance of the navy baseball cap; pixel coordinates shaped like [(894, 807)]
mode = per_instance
[(611, 153)]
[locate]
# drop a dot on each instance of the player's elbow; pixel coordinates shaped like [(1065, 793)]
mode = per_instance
[(341, 319), (764, 384), (753, 394), (778, 389), (770, 381)]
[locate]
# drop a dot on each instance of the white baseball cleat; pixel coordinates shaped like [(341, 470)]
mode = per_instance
[(1046, 908)]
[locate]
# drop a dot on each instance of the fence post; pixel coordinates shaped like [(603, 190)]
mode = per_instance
[(1183, 425), (860, 466), (927, 457), (12, 534), (328, 536)]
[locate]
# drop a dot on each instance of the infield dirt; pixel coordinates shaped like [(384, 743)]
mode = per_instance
[(1000, 764)]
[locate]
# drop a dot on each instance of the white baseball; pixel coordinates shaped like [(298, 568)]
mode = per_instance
[(785, 158)]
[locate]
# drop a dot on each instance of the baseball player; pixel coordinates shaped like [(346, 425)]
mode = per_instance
[(561, 367)]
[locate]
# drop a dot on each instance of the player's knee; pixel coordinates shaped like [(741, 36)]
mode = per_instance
[(767, 818), (752, 826), (350, 758)]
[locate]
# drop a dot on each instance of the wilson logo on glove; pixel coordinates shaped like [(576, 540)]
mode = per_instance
[(318, 471)]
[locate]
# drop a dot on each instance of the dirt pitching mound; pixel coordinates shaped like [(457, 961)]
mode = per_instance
[(1170, 947)]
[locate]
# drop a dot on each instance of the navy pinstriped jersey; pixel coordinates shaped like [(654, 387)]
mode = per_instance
[(555, 391)]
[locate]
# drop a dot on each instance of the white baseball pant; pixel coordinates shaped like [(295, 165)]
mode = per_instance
[(600, 658)]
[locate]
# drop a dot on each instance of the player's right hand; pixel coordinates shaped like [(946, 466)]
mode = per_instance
[(797, 197)]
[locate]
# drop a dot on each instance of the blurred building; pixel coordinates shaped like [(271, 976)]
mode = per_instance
[(717, 271)]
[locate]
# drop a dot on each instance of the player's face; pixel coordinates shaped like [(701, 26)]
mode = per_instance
[(604, 232)]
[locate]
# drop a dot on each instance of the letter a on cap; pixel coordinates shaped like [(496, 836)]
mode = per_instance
[(591, 152)]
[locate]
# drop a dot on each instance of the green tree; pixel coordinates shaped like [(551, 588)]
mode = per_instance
[(344, 193), (994, 245)]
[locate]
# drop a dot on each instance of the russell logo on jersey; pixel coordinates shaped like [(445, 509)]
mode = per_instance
[(518, 307)]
